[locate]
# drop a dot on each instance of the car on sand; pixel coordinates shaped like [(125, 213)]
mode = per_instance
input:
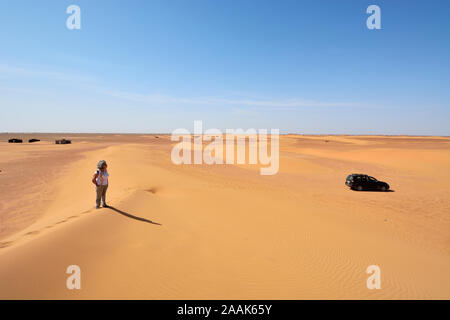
[(360, 182)]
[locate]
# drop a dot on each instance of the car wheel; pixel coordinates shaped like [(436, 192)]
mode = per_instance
[(359, 188), (383, 188)]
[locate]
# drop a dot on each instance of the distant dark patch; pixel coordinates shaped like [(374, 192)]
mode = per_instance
[(33, 140), (63, 141), (15, 140)]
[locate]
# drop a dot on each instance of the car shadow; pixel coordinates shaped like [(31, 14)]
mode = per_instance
[(390, 190), (129, 215)]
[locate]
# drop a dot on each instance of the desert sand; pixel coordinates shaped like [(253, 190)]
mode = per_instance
[(224, 231)]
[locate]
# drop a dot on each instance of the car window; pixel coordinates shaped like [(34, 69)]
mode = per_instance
[(372, 179)]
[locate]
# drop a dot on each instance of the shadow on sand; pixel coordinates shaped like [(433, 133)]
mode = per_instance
[(131, 216), (367, 190)]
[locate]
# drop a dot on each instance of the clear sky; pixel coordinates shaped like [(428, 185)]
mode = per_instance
[(154, 66)]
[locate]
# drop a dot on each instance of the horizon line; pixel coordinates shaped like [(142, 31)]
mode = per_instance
[(281, 134)]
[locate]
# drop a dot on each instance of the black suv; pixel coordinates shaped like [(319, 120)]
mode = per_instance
[(364, 182)]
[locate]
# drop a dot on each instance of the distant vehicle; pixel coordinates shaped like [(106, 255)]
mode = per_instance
[(63, 141), (15, 141), (33, 140), (362, 182)]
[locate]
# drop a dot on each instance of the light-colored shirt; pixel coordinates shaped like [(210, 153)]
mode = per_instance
[(102, 178)]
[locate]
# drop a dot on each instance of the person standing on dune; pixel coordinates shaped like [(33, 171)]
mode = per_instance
[(100, 180)]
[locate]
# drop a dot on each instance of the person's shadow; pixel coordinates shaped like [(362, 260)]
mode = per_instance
[(131, 216)]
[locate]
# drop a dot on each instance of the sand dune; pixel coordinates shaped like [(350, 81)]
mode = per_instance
[(224, 231)]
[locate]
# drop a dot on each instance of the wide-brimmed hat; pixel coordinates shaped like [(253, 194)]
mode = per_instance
[(101, 163)]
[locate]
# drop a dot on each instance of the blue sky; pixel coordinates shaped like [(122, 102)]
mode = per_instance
[(154, 66)]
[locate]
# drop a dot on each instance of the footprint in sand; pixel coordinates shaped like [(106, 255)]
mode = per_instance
[(32, 233), (5, 244), (151, 190)]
